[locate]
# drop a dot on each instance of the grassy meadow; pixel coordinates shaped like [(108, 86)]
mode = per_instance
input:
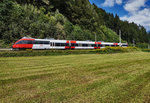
[(84, 78)]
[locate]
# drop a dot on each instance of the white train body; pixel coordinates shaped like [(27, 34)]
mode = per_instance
[(29, 43)]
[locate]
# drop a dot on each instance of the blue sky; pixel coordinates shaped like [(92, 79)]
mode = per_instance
[(137, 11)]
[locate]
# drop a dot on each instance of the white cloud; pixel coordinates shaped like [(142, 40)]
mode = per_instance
[(138, 14), (111, 3), (134, 5), (119, 2), (138, 11)]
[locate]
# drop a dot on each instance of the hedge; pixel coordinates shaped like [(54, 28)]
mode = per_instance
[(28, 53)]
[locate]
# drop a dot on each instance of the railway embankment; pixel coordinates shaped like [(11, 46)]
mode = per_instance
[(27, 53)]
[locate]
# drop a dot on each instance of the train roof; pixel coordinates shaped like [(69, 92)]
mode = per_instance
[(59, 41)]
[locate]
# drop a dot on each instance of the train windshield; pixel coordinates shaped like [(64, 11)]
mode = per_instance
[(32, 42), (25, 42), (20, 42)]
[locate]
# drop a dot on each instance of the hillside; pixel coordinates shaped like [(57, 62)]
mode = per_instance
[(63, 19)]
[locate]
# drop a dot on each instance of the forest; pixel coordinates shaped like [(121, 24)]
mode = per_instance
[(65, 19)]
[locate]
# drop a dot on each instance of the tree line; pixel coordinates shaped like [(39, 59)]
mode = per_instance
[(64, 19)]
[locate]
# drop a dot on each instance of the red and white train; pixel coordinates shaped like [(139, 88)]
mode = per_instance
[(30, 43)]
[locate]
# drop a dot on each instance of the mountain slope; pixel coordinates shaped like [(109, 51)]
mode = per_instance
[(26, 19), (63, 19)]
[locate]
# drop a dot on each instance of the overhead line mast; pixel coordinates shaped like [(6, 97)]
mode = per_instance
[(120, 38)]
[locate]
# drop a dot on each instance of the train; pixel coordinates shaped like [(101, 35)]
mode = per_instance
[(41, 44)]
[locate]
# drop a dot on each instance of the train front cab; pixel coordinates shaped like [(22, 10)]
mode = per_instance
[(23, 44)]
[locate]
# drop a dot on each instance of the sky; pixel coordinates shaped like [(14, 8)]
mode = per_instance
[(137, 11)]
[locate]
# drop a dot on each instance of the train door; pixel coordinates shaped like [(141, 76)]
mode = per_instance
[(51, 45)]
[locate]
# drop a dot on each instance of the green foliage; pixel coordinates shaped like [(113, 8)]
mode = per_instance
[(116, 50), (64, 19), (68, 27), (27, 53), (110, 35), (146, 50), (10, 16), (27, 20), (90, 17), (77, 33), (142, 45)]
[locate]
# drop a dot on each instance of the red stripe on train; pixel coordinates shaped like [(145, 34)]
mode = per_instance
[(115, 43), (67, 47), (98, 43), (95, 47), (73, 47), (67, 41), (72, 41), (25, 46)]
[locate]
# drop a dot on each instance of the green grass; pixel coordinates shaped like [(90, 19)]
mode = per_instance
[(28, 53), (85, 78)]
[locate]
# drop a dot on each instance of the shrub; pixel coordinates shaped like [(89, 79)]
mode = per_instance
[(142, 45), (106, 50)]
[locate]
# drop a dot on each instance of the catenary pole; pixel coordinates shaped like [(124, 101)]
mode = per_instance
[(120, 38)]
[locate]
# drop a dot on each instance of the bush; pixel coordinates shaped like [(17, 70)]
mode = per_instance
[(116, 50), (142, 45), (27, 53), (146, 50)]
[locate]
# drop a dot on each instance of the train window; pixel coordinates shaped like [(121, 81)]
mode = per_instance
[(85, 45), (40, 42), (29, 42), (74, 44), (20, 42), (89, 45), (35, 42), (45, 42), (57, 44), (112, 45), (24, 41), (80, 45), (107, 45), (77, 45), (99, 45), (66, 44), (62, 44), (124, 45), (93, 45)]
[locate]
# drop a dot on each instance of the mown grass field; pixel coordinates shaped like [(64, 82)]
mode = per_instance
[(84, 78)]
